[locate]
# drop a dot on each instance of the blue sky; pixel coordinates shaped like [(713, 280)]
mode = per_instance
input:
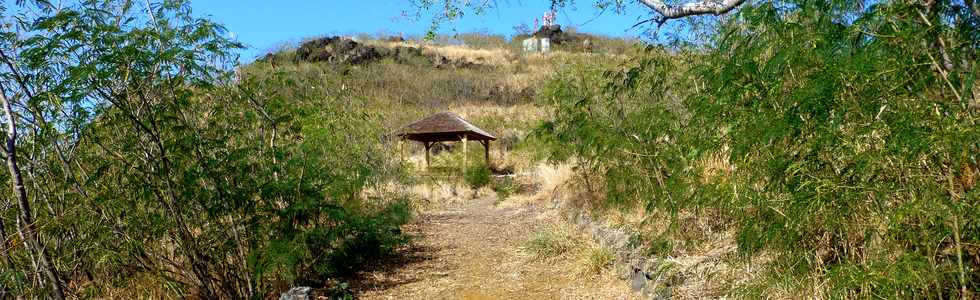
[(265, 24)]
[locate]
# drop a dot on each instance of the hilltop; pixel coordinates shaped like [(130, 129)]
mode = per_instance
[(406, 79)]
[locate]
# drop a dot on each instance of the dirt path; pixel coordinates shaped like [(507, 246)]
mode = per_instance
[(472, 251)]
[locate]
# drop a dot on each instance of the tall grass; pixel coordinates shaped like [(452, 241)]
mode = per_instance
[(596, 259), (549, 243)]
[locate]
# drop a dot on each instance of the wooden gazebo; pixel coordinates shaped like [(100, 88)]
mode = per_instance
[(446, 127)]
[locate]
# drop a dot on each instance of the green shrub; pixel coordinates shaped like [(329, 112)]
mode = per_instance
[(478, 176), (505, 187)]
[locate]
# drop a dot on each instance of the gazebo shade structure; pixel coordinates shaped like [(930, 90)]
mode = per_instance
[(446, 127)]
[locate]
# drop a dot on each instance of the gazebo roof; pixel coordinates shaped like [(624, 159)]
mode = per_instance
[(444, 126)]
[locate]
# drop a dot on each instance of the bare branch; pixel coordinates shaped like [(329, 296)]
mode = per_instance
[(704, 7)]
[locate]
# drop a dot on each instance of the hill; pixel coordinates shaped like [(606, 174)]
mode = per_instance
[(819, 148)]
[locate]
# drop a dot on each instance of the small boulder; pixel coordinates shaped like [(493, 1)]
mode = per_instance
[(395, 39), (297, 293), (638, 280)]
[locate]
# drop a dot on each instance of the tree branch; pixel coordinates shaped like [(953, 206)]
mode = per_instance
[(973, 8), (704, 7)]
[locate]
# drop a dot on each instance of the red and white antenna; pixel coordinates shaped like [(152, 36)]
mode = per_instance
[(549, 17)]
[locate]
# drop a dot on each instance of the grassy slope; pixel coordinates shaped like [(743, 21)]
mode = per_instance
[(501, 98), (820, 172)]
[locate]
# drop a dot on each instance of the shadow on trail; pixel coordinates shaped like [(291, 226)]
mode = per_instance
[(384, 274)]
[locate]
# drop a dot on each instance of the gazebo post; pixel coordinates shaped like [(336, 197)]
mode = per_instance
[(427, 146), (486, 151), (464, 153)]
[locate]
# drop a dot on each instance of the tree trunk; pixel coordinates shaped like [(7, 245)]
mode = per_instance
[(31, 240)]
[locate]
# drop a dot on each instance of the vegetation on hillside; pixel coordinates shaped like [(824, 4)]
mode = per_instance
[(838, 142)]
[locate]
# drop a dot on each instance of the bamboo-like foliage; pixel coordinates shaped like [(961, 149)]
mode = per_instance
[(153, 170), (840, 135)]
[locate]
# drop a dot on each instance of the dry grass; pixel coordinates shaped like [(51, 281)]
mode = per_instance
[(494, 57), (707, 260), (550, 242), (707, 263), (560, 240), (707, 270), (550, 185), (717, 165), (551, 178), (595, 259), (516, 117), (432, 188)]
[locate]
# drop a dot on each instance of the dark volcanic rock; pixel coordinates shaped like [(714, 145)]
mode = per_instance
[(340, 50), (394, 39), (557, 36), (337, 50), (548, 31)]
